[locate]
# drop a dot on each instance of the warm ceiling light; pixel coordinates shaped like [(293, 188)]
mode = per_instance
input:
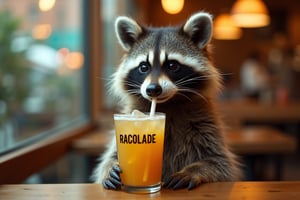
[(46, 5), (225, 28), (172, 6), (250, 13)]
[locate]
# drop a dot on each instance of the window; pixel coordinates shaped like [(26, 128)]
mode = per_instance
[(43, 71), (113, 53)]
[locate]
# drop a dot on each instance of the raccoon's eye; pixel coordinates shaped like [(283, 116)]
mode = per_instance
[(172, 65), (144, 67)]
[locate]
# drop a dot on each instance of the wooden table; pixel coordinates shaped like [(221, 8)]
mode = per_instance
[(250, 140), (256, 144), (216, 191), (246, 110), (92, 144), (260, 140)]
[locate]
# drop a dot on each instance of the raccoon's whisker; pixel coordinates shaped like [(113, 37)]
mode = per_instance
[(193, 92), (184, 81), (179, 93), (132, 81), (136, 88), (133, 84), (187, 78), (133, 94), (134, 91)]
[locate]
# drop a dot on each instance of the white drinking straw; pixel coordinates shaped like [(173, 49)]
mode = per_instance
[(153, 106)]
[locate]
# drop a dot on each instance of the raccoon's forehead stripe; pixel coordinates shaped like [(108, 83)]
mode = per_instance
[(187, 60), (151, 57), (157, 51), (162, 56)]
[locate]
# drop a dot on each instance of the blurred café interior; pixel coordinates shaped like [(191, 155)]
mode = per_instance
[(57, 58)]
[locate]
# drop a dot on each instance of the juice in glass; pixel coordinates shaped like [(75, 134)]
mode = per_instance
[(140, 142)]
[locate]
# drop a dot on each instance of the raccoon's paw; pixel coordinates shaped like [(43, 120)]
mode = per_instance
[(181, 180), (113, 181)]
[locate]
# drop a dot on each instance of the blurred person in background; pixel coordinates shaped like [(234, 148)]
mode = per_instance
[(254, 76)]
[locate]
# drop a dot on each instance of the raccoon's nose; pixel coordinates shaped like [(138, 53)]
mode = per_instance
[(153, 90)]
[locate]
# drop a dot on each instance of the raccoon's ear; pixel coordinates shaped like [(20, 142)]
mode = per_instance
[(127, 31), (199, 28)]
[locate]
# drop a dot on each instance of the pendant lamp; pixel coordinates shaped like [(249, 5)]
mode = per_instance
[(250, 13), (225, 28)]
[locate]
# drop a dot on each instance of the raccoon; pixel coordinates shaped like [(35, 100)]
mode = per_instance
[(173, 65)]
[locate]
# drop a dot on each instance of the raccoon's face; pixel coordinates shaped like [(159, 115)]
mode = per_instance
[(165, 63)]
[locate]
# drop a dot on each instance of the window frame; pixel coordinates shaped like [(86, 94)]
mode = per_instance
[(19, 164)]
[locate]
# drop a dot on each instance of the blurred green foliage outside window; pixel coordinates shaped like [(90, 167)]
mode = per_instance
[(42, 69)]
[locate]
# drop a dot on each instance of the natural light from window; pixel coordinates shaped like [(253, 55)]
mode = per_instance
[(42, 69)]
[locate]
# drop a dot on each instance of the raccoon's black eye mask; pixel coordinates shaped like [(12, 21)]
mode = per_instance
[(182, 75), (172, 65)]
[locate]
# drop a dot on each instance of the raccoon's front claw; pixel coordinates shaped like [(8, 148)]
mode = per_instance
[(181, 180), (113, 181)]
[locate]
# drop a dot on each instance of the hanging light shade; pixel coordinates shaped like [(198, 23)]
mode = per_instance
[(172, 6), (225, 28), (250, 13)]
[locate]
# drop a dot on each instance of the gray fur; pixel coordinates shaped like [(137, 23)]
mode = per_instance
[(194, 150)]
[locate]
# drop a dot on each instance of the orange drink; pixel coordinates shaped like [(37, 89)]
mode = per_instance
[(140, 142)]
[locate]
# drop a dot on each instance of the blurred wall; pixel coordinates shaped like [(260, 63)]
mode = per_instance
[(229, 55)]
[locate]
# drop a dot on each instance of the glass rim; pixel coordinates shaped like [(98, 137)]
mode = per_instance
[(129, 116)]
